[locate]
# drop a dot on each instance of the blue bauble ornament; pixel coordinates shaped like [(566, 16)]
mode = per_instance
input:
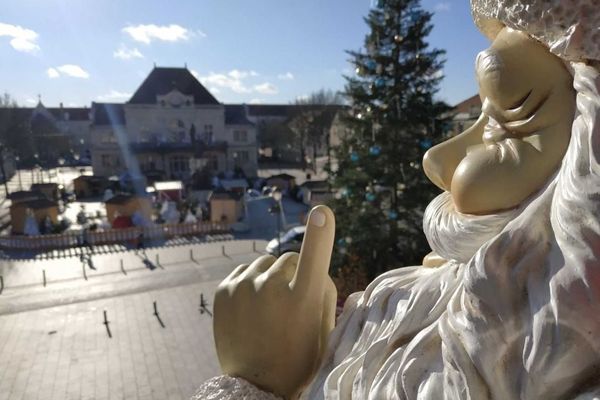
[(354, 157), (371, 64), (392, 214), (426, 143), (341, 242), (379, 82), (375, 150), (370, 197)]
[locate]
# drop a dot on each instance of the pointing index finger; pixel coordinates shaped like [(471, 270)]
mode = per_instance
[(315, 254)]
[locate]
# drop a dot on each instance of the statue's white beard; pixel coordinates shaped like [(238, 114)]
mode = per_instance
[(456, 236)]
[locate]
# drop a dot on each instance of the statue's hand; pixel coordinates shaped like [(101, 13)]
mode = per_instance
[(272, 317)]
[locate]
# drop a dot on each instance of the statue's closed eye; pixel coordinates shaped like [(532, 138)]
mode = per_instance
[(520, 102)]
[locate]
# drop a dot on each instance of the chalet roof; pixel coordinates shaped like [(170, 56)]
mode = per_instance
[(108, 114), (26, 194), (162, 80), (235, 114), (315, 185), (36, 204), (282, 176), (119, 199), (123, 198), (91, 178), (224, 195), (168, 185)]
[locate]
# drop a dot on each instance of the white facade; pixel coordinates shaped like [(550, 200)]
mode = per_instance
[(172, 133)]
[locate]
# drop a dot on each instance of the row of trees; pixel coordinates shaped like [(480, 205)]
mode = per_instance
[(306, 127), (15, 132)]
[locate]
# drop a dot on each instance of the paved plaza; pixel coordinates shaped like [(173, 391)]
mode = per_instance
[(54, 343)]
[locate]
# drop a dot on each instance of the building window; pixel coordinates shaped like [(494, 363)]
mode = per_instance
[(105, 160), (179, 164), (208, 133), (243, 156), (214, 163), (240, 136)]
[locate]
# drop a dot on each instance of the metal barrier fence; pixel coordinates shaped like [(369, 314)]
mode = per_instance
[(76, 238)]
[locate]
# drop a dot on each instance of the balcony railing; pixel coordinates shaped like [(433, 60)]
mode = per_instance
[(110, 236)]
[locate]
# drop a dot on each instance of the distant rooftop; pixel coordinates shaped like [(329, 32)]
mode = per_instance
[(467, 105), (288, 110), (163, 80), (235, 114), (108, 114)]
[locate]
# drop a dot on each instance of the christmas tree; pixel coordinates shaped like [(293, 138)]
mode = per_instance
[(381, 190)]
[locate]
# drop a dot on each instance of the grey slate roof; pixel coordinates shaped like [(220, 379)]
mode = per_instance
[(162, 80), (235, 114), (108, 114)]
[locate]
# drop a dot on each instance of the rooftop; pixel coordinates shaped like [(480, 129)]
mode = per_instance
[(223, 195), (168, 185), (108, 114), (163, 80), (235, 114), (36, 204)]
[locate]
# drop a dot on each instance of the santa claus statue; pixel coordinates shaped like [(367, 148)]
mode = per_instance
[(507, 305)]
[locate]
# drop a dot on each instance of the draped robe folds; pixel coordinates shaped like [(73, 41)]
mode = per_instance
[(517, 317)]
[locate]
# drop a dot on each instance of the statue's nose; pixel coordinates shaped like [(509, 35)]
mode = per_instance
[(440, 162), (437, 168)]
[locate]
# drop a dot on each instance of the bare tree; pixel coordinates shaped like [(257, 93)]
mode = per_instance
[(311, 121)]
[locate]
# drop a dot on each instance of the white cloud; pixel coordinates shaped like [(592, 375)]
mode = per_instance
[(302, 97), (166, 33), (266, 88), (288, 76), (72, 70), (125, 53), (237, 74), (256, 101), (31, 100), (238, 81), (22, 39), (114, 95), (442, 6), (52, 73), (232, 81)]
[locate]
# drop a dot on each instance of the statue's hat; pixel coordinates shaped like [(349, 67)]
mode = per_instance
[(569, 28)]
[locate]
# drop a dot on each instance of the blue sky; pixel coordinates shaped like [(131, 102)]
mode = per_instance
[(268, 51)]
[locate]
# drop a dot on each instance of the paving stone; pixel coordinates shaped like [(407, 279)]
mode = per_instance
[(56, 346)]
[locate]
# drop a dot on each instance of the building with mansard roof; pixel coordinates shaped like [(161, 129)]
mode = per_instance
[(171, 127)]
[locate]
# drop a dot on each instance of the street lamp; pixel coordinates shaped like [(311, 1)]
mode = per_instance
[(61, 163), (2, 168), (36, 156), (17, 159), (276, 209)]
